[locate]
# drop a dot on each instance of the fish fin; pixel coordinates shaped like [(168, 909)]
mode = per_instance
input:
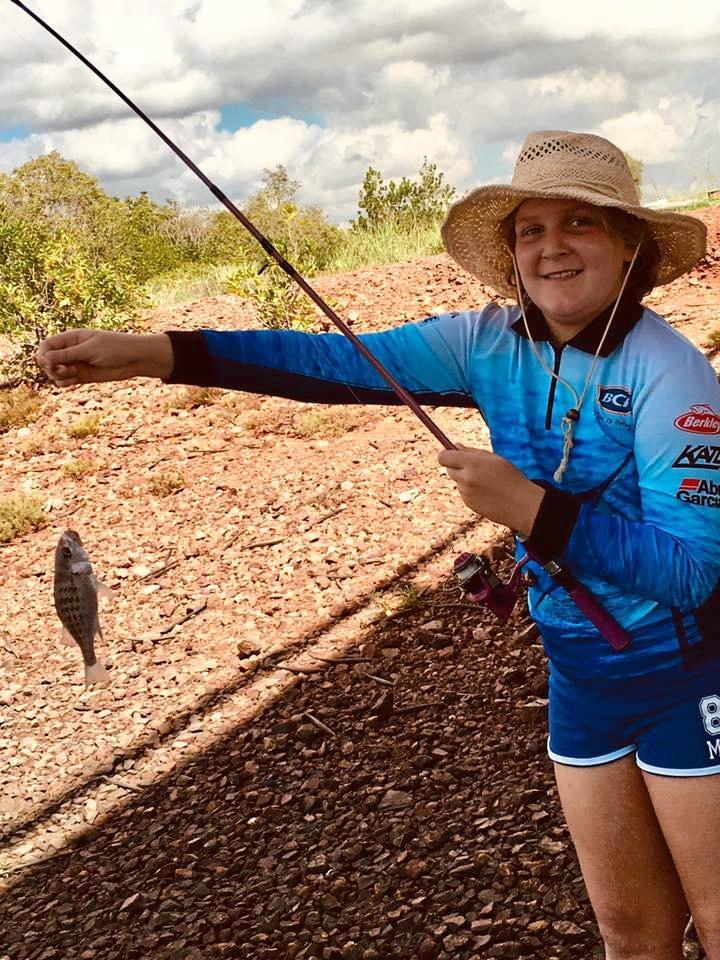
[(66, 638), (96, 674), (103, 590)]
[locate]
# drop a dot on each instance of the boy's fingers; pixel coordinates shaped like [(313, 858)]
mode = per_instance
[(60, 358), (452, 458), (63, 376)]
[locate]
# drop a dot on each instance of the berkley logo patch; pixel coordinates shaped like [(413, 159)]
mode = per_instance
[(615, 400), (701, 418), (703, 493)]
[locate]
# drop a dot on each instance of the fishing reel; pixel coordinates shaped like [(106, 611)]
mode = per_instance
[(477, 578)]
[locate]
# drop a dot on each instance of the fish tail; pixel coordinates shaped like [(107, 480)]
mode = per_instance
[(96, 673)]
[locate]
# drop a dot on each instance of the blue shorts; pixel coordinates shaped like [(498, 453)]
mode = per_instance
[(670, 720)]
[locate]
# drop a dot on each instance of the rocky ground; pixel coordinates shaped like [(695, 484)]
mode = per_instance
[(312, 746)]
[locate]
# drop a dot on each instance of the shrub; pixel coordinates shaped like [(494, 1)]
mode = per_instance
[(81, 467), (301, 235), (19, 514), (53, 194), (321, 422), (18, 408), (47, 284), (166, 482), (139, 236), (279, 302), (713, 341), (189, 398), (409, 203), (87, 426)]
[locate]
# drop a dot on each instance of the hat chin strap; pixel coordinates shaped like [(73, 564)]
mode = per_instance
[(573, 414)]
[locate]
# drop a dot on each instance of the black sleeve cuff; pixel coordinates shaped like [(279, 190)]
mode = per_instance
[(192, 363), (554, 524)]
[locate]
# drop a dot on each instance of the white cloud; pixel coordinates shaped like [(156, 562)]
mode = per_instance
[(620, 18), (581, 86), (342, 84), (656, 136)]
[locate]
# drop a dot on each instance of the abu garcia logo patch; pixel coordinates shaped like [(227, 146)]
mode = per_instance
[(617, 400)]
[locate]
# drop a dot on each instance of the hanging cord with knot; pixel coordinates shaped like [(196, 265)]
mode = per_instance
[(573, 414)]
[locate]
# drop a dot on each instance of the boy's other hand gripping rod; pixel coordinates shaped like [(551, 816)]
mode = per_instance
[(589, 605), (401, 392)]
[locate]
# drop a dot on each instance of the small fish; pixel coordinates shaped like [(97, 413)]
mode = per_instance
[(76, 591)]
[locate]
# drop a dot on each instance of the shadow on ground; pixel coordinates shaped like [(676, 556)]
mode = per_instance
[(425, 828)]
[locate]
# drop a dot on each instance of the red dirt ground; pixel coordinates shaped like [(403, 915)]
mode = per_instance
[(195, 808)]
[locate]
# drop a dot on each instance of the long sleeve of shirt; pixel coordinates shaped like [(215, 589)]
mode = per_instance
[(428, 360)]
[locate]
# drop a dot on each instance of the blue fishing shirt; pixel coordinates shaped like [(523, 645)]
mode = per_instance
[(637, 516)]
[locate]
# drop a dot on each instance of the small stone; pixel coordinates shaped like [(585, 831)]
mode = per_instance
[(551, 846), (414, 868), (395, 800), (133, 904), (508, 949), (307, 732), (571, 931), (247, 648)]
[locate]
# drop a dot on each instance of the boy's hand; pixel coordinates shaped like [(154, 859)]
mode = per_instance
[(98, 356), (493, 487)]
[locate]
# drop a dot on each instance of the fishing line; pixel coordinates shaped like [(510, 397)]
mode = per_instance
[(267, 246)]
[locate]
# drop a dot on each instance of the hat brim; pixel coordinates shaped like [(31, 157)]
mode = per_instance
[(472, 235)]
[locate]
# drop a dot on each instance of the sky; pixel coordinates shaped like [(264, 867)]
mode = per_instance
[(330, 87)]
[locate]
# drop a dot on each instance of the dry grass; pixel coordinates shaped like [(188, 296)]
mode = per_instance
[(81, 467), (405, 596), (331, 422), (166, 482), (713, 341), (19, 514), (189, 398), (19, 408), (87, 426)]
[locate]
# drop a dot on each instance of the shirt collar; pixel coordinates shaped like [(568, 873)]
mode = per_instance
[(628, 313)]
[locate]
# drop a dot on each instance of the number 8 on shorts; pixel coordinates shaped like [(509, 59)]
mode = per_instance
[(710, 710)]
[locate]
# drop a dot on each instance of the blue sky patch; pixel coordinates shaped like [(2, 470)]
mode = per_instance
[(233, 116), (13, 133)]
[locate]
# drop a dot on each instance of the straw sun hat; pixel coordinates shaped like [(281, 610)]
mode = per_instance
[(559, 164)]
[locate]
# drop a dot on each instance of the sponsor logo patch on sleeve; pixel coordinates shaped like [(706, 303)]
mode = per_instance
[(700, 418)]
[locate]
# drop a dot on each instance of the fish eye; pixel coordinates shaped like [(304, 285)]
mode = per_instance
[(66, 552)]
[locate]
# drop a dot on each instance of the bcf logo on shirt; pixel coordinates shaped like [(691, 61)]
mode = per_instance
[(615, 400)]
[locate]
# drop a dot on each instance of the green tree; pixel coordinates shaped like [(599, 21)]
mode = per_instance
[(53, 190), (408, 203)]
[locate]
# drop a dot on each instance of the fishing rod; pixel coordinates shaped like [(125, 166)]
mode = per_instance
[(267, 246), (583, 598)]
